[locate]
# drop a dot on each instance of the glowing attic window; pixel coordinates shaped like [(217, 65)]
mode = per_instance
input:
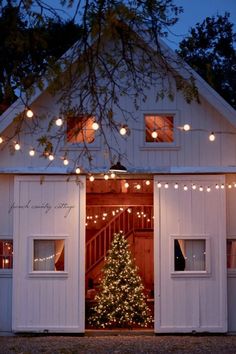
[(79, 130), (159, 128)]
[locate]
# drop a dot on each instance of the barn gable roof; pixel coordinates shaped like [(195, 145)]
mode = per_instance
[(204, 89)]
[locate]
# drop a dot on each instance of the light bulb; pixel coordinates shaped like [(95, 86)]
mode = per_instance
[(51, 157), (138, 186), (91, 178), (176, 186), (126, 185), (230, 186), (212, 137), (123, 130), (208, 189), (29, 113), (217, 186), (77, 170), (159, 184), (222, 186), (154, 134), (1, 140), (65, 161), (17, 146), (113, 175), (186, 127), (166, 185), (95, 126), (32, 152), (148, 182), (185, 188), (200, 188), (59, 122), (106, 177), (194, 187)]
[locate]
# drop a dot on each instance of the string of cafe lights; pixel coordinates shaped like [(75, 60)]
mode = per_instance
[(195, 187), (124, 130)]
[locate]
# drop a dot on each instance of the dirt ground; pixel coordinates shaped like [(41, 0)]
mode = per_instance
[(119, 344)]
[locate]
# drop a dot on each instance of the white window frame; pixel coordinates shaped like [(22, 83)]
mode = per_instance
[(47, 273), (190, 273), (94, 146), (162, 145)]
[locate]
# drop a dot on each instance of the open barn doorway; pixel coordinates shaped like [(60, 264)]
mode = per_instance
[(119, 205)]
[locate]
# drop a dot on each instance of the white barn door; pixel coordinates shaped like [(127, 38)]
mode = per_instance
[(49, 253), (190, 254)]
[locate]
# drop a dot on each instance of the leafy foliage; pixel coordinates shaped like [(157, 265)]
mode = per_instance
[(210, 50), (121, 301)]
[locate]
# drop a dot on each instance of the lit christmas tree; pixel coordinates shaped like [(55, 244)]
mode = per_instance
[(120, 301)]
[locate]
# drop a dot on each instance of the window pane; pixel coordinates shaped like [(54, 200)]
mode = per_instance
[(6, 254), (49, 255), (231, 254), (79, 129), (190, 255), (159, 129)]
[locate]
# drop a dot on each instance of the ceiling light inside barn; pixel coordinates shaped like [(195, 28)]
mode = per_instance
[(29, 113)]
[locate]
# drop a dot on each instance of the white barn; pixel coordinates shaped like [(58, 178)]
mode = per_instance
[(180, 188)]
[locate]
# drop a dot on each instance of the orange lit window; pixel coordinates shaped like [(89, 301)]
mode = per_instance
[(79, 129), (159, 128), (6, 254)]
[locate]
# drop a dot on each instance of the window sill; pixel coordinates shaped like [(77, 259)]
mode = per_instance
[(5, 273), (49, 274), (191, 274), (159, 147)]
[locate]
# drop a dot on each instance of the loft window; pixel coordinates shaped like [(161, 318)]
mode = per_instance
[(49, 255), (6, 254), (159, 128), (189, 255), (79, 129), (231, 254)]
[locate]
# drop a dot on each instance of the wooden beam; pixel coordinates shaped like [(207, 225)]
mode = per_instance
[(112, 199)]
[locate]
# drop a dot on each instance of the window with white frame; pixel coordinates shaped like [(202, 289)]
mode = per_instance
[(159, 128), (80, 129), (190, 255), (6, 254), (49, 255), (231, 254)]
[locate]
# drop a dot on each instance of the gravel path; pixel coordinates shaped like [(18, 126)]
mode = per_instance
[(120, 344)]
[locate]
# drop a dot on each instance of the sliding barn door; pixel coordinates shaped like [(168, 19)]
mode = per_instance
[(190, 254), (48, 275)]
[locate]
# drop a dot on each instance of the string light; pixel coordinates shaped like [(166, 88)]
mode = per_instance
[(176, 186), (166, 185), (154, 134), (106, 177), (208, 189), (123, 130), (229, 186), (65, 161), (185, 187), (138, 186), (77, 170), (212, 137), (29, 113), (222, 186), (201, 189), (159, 184), (194, 187), (59, 122), (1, 140), (91, 178), (126, 185), (17, 146), (95, 126), (217, 186), (51, 157), (186, 127), (32, 152), (148, 183), (113, 175)]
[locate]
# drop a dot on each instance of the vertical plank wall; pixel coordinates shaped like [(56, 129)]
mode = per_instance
[(194, 301), (6, 226), (48, 302)]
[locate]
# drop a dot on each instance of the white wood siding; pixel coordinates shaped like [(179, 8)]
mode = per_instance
[(48, 302), (6, 232), (190, 302)]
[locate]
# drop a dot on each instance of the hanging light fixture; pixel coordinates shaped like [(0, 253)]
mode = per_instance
[(118, 168)]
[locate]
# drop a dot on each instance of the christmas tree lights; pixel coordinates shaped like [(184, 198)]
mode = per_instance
[(120, 301)]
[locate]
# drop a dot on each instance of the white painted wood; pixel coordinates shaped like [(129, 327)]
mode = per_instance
[(190, 302), (53, 301)]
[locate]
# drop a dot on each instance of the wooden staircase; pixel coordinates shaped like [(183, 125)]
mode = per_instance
[(126, 221)]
